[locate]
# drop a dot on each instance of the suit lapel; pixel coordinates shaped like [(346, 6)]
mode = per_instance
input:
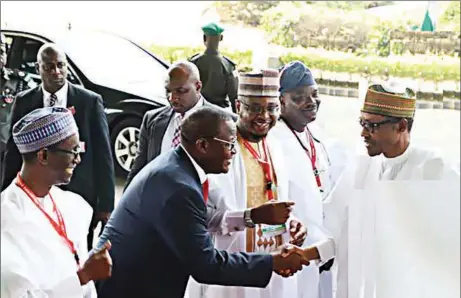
[(160, 128), (70, 96), (37, 99)]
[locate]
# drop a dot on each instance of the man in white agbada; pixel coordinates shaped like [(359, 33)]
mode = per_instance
[(257, 176), (310, 173), (377, 255), (43, 228)]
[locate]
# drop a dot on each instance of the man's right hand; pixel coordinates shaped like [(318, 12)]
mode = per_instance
[(97, 267), (272, 213), (289, 261)]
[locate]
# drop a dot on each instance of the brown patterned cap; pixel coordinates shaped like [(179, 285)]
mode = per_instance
[(391, 100), (264, 83)]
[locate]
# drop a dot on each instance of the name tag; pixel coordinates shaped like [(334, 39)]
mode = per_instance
[(273, 230)]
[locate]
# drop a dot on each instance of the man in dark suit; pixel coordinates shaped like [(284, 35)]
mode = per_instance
[(159, 232), (160, 128), (160, 131), (94, 178)]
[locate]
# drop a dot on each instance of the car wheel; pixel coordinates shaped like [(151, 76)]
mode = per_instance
[(124, 139)]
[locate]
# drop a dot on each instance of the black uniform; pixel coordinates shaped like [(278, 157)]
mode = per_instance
[(219, 79), (12, 82)]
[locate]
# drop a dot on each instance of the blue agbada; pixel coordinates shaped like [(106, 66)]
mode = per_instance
[(294, 75)]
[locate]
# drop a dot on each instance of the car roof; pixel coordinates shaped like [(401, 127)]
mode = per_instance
[(51, 33), (56, 33)]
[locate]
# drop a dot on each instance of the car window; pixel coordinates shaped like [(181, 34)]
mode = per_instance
[(9, 41), (29, 55), (115, 62)]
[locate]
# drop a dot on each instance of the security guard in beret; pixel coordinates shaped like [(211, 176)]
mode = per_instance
[(217, 73), (11, 83)]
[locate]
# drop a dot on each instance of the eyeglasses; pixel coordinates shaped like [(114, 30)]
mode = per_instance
[(370, 126), (255, 109), (76, 152), (229, 145)]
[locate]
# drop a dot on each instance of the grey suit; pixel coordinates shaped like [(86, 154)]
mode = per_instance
[(153, 128)]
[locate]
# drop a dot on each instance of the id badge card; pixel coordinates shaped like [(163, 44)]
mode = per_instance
[(273, 230)]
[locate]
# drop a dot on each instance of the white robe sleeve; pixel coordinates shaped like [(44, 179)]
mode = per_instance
[(16, 285), (80, 221), (327, 250), (222, 220), (18, 281), (35, 263)]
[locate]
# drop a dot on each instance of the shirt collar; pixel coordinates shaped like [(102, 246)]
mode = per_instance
[(201, 173), (199, 103), (390, 162), (60, 94)]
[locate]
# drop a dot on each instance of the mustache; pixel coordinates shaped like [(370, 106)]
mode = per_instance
[(369, 141)]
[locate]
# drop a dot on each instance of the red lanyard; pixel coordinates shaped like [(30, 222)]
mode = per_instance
[(265, 164), (60, 226), (312, 153)]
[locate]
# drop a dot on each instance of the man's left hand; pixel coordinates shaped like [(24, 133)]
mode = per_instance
[(298, 232), (102, 217)]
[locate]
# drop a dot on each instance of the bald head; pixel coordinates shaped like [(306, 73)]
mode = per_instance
[(52, 66), (183, 86), (184, 70), (49, 49)]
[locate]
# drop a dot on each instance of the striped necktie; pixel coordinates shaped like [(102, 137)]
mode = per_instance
[(53, 99), (177, 132)]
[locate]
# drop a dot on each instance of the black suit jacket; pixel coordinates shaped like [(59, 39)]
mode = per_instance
[(93, 178), (153, 128), (159, 237)]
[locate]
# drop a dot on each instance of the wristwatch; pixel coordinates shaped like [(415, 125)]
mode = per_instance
[(247, 218)]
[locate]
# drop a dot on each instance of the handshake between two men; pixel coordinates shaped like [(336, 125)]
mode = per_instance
[(291, 257)]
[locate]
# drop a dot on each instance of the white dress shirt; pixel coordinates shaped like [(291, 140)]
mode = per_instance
[(175, 121), (61, 94), (201, 173)]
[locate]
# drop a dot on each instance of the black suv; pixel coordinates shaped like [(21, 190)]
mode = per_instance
[(128, 77)]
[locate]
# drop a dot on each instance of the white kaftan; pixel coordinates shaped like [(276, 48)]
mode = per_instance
[(373, 213), (36, 262)]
